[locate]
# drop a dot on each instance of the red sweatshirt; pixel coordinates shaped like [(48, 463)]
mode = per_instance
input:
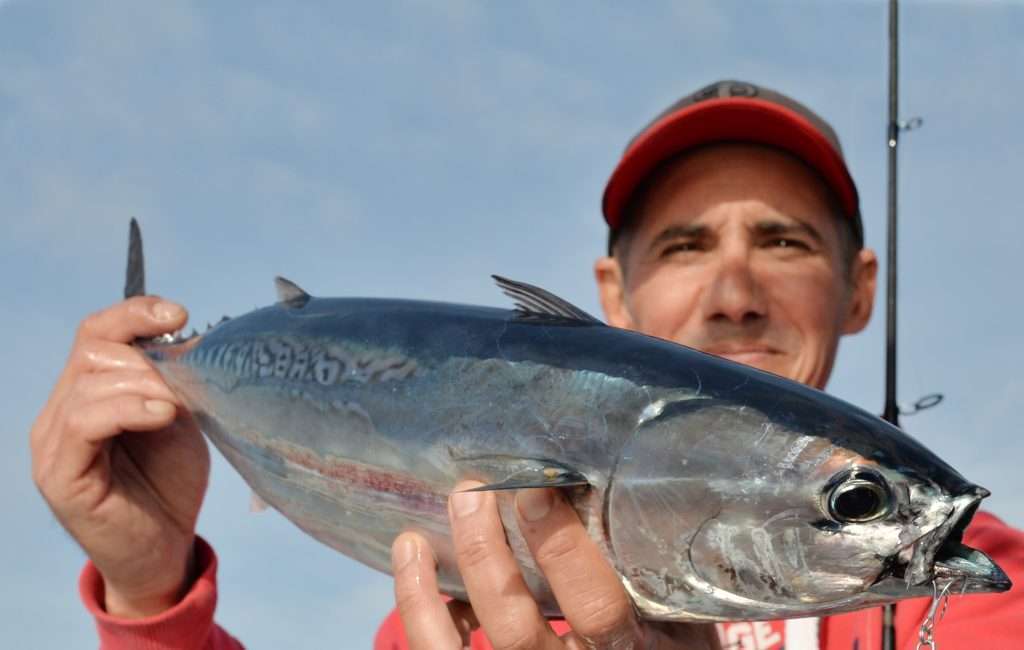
[(988, 622)]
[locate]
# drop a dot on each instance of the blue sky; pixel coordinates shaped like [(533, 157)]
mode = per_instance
[(413, 148)]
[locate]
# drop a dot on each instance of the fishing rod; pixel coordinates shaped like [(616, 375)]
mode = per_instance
[(891, 410)]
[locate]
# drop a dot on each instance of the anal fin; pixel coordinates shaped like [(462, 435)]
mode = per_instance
[(257, 504)]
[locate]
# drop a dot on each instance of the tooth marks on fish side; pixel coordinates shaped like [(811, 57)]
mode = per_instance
[(787, 461), (291, 359), (825, 455), (744, 561), (790, 547), (766, 430), (768, 557)]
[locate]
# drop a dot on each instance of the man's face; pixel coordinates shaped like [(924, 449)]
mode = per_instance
[(736, 251)]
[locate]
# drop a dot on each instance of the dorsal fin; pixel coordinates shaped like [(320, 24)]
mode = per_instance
[(290, 294), (135, 274), (534, 301)]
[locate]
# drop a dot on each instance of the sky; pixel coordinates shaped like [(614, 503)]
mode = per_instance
[(411, 149)]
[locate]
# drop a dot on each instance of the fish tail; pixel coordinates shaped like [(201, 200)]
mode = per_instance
[(135, 275)]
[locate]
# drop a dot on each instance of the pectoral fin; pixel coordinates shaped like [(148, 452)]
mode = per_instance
[(511, 473)]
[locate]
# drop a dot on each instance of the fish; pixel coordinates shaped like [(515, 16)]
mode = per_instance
[(717, 492)]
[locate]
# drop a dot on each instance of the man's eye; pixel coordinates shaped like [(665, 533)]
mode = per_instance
[(680, 247), (786, 242)]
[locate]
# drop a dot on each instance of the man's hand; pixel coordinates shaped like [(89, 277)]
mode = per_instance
[(588, 590), (122, 469)]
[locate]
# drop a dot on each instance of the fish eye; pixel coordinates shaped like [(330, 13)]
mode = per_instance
[(858, 497)]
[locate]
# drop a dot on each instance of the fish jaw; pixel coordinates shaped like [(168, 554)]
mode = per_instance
[(969, 567), (939, 556)]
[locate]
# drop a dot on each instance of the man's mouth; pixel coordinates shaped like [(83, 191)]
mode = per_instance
[(751, 355)]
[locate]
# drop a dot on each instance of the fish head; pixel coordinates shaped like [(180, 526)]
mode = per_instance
[(718, 510)]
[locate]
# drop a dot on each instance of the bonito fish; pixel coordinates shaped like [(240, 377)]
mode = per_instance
[(718, 492)]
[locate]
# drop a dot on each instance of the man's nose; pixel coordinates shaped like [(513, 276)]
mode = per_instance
[(734, 294)]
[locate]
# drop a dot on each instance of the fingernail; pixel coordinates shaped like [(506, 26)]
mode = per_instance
[(534, 504), (403, 553), (167, 311), (159, 407), (466, 503)]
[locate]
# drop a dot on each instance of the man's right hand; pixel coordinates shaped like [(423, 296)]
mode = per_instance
[(120, 462)]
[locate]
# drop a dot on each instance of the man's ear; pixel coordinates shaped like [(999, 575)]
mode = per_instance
[(612, 290), (862, 301)]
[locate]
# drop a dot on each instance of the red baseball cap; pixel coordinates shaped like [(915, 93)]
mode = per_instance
[(734, 111)]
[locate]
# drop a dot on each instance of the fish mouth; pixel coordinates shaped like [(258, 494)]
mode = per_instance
[(940, 557), (962, 565)]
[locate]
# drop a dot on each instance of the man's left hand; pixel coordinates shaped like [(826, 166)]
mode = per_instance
[(588, 590)]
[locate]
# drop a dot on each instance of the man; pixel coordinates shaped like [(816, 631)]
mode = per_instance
[(734, 228)]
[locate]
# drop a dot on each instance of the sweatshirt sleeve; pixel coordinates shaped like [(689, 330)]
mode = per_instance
[(186, 626)]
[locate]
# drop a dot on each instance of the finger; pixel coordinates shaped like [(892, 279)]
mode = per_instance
[(428, 622), (464, 618), (89, 356), (102, 386), (97, 355), (97, 421), (94, 355), (589, 592), (85, 428), (139, 317), (497, 591)]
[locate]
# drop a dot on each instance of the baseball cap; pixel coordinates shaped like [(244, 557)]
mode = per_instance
[(734, 111)]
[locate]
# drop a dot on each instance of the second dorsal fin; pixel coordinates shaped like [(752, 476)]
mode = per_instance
[(537, 302), (290, 294)]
